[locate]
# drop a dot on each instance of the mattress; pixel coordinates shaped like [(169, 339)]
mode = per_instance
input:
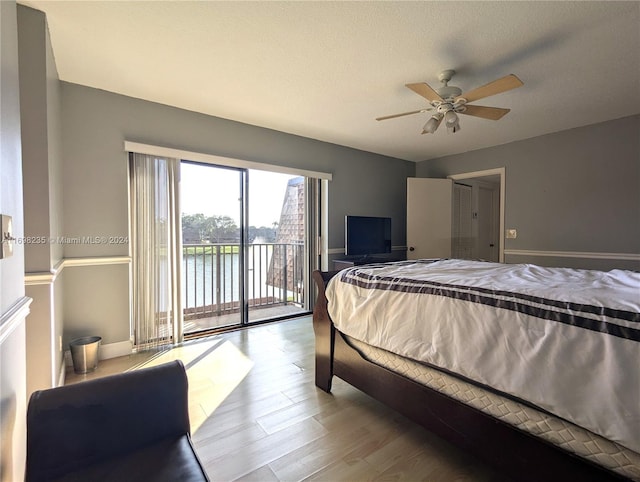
[(570, 437), (564, 340)]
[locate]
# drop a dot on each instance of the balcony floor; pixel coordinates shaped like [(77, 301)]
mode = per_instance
[(258, 313)]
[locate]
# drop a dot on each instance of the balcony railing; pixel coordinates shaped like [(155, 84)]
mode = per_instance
[(211, 277)]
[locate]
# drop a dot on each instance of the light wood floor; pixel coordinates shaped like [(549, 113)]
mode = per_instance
[(256, 415)]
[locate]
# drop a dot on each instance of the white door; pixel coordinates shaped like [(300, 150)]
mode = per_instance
[(429, 212)]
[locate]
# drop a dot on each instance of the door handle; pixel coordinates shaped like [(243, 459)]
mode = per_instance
[(411, 248)]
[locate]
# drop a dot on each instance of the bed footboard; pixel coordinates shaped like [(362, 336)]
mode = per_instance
[(324, 331)]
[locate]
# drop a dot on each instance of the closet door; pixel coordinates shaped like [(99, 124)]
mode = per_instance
[(488, 223), (429, 215), (463, 242)]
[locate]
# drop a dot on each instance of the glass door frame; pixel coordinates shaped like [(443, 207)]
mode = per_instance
[(241, 282), (317, 240), (309, 251)]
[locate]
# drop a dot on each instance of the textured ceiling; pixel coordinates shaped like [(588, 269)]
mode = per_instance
[(325, 70)]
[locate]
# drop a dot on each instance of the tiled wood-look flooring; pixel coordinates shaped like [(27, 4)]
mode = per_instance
[(256, 415)]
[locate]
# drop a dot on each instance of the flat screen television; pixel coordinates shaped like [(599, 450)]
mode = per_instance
[(367, 235)]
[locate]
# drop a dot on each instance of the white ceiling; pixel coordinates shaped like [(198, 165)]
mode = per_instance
[(325, 70)]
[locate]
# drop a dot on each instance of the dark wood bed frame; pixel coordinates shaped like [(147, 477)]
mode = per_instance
[(511, 451)]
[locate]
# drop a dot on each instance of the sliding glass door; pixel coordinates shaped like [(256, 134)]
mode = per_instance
[(244, 246), (212, 246), (276, 245)]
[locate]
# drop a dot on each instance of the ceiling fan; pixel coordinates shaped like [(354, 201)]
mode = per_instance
[(449, 101)]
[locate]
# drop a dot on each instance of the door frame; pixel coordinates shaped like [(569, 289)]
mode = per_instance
[(320, 240), (500, 171)]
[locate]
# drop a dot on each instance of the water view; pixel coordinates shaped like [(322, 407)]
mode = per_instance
[(211, 267)]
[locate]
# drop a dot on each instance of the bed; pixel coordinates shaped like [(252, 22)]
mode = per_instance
[(533, 369)]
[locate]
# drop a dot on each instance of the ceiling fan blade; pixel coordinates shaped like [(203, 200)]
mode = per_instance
[(492, 113), (423, 89), (492, 88), (400, 115)]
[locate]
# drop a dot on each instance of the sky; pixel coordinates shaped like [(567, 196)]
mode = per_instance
[(215, 191)]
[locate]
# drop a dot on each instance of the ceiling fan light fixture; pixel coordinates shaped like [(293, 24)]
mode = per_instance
[(432, 124), (451, 118), (453, 128)]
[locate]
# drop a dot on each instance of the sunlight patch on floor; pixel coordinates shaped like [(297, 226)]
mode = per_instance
[(214, 369)]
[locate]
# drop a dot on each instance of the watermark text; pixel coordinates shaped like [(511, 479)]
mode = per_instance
[(72, 240)]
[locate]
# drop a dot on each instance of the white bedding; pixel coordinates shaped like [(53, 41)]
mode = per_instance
[(565, 340)]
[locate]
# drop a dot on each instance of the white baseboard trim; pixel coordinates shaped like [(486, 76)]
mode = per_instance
[(110, 350), (573, 254), (114, 350), (62, 375)]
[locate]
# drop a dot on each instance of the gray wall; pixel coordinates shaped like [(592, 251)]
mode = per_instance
[(42, 165), (95, 202), (35, 152), (12, 336), (571, 191)]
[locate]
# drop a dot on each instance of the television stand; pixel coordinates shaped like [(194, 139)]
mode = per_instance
[(339, 264)]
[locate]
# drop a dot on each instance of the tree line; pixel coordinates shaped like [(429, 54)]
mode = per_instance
[(198, 229)]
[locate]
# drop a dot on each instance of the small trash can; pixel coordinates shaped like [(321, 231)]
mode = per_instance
[(84, 353)]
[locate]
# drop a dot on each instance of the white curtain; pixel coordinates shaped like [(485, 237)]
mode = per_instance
[(156, 247)]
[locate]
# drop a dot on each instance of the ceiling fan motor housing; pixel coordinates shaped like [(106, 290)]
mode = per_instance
[(449, 92)]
